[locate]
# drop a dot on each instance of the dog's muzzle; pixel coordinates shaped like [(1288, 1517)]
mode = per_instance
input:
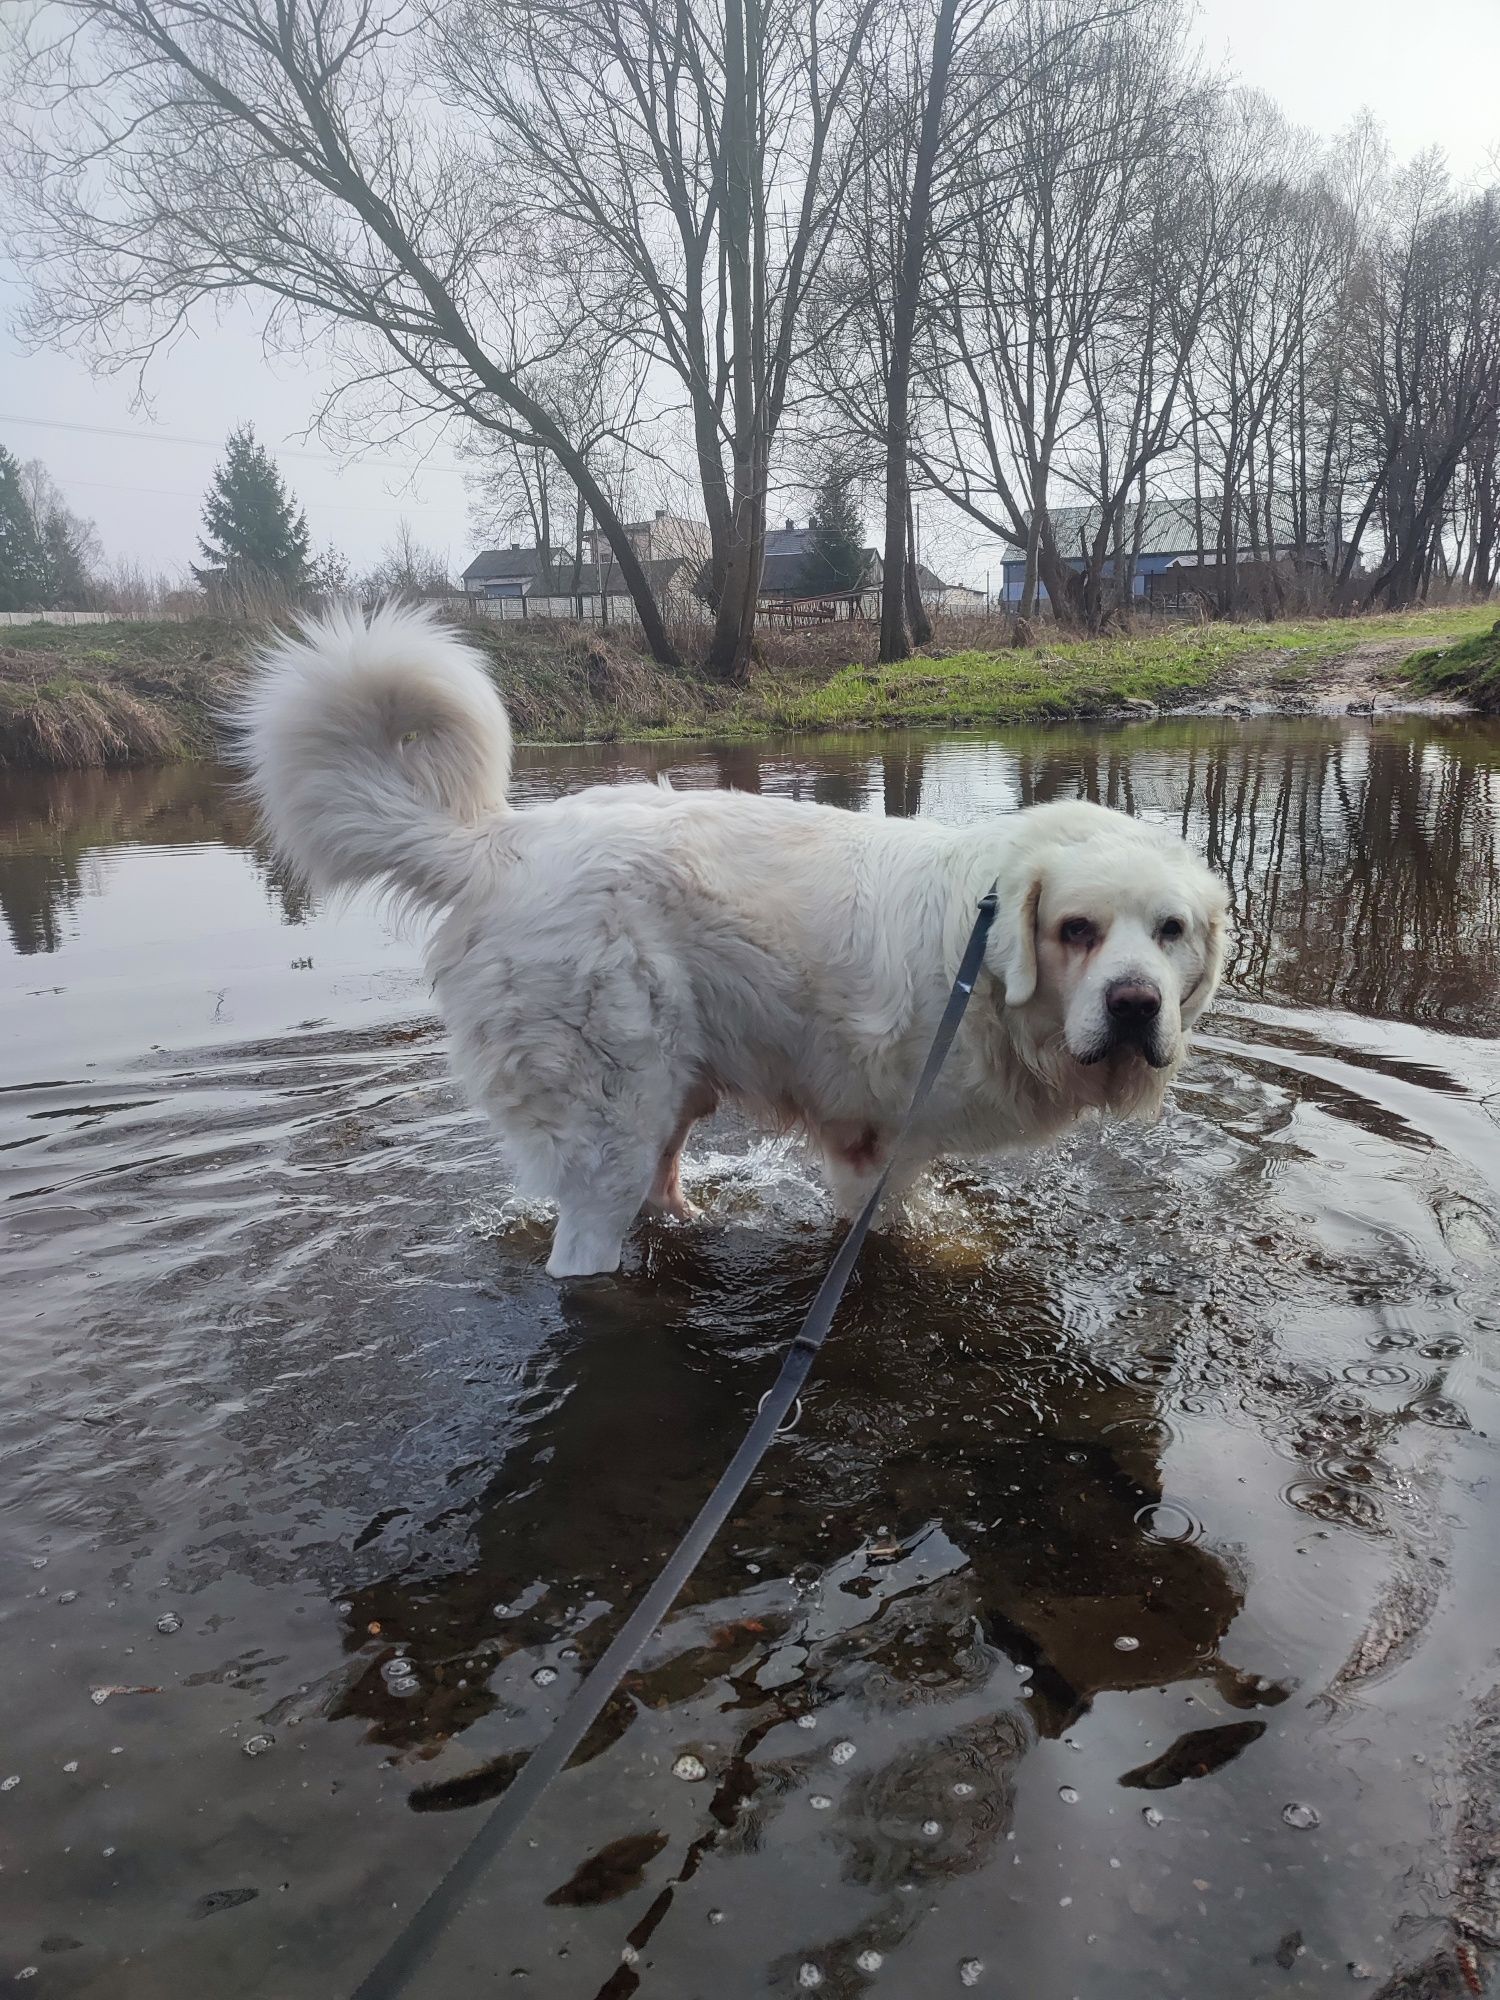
[(1133, 1021)]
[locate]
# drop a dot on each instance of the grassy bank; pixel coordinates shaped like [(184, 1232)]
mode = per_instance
[(1469, 671), (76, 697), (1164, 665)]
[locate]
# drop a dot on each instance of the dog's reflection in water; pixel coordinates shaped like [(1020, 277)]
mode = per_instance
[(1025, 1479)]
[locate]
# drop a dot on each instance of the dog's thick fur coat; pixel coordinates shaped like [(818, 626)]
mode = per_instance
[(614, 963)]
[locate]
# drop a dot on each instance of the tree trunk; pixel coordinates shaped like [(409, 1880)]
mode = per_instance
[(895, 634), (918, 621)]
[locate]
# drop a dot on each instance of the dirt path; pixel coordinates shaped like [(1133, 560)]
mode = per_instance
[(1352, 683)]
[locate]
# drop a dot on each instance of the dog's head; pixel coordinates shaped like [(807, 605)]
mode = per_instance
[(1111, 935)]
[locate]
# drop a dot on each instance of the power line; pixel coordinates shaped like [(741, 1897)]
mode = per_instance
[(216, 444), (395, 507)]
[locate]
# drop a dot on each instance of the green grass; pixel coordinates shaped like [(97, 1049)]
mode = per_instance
[(76, 696), (1469, 671), (1097, 676)]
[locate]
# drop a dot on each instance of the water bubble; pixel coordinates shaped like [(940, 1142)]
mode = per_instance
[(689, 1768), (9, 1784), (67, 1596), (1443, 1350), (716, 1916), (257, 1746), (395, 1670), (106, 1852), (932, 1828), (1022, 1672), (1151, 1816), (27, 1972), (169, 1622), (38, 1562), (1301, 1817), (807, 1722), (841, 1752), (820, 1802), (1068, 1795), (1166, 1522), (628, 1954), (72, 1765), (405, 1684), (1377, 1374), (870, 1961), (500, 1611), (544, 1676), (1444, 1412), (808, 1976), (962, 1790), (1125, 1644), (971, 1972)]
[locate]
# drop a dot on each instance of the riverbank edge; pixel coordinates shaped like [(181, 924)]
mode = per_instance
[(115, 695)]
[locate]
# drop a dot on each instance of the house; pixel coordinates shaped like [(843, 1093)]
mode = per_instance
[(527, 582), (1169, 543), (783, 580), (940, 596)]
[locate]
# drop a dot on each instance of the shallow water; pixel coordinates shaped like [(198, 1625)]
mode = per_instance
[(1118, 1622)]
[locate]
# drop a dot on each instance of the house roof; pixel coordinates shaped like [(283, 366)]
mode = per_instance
[(786, 556), (1170, 528), (503, 565)]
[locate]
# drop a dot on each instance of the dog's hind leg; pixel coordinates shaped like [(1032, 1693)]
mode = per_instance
[(666, 1196)]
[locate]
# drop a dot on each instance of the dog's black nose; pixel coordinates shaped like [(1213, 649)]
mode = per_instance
[(1132, 1002)]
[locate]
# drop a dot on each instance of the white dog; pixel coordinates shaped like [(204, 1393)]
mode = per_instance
[(615, 963)]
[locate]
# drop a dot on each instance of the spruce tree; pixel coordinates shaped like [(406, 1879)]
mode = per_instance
[(257, 535), (835, 558), (23, 561)]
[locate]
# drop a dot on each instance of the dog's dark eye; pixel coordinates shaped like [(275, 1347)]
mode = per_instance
[(1076, 930), (1172, 928)]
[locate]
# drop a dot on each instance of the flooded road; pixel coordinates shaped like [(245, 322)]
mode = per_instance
[(1119, 1623)]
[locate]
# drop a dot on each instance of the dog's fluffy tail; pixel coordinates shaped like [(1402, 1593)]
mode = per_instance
[(377, 748)]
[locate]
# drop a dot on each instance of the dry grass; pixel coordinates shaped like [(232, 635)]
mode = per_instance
[(72, 697)]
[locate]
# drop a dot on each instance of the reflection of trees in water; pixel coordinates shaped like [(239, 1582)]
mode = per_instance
[(52, 823), (1362, 863)]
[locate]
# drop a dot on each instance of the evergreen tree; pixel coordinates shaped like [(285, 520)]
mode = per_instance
[(257, 535), (835, 558), (23, 562), (329, 573)]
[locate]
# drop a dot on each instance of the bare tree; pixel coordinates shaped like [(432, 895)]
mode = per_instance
[(690, 163), (173, 153), (1429, 373), (408, 568), (1039, 295)]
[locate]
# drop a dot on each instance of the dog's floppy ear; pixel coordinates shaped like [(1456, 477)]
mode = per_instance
[(1219, 940), (1012, 950)]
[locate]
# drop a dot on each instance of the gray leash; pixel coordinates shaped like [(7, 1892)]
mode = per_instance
[(413, 1945)]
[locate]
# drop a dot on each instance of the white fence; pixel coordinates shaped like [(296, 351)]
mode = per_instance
[(74, 618)]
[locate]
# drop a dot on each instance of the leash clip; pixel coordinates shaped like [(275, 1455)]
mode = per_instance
[(783, 1429)]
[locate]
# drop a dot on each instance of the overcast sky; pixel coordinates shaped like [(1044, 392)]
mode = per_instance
[(1430, 74)]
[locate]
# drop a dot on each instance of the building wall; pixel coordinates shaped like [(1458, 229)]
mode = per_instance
[(1146, 565)]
